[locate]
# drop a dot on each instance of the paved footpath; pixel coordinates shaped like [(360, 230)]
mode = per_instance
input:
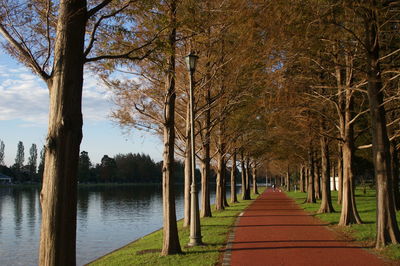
[(274, 230)]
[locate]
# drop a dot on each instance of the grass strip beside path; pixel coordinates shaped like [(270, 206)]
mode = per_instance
[(366, 206), (146, 250)]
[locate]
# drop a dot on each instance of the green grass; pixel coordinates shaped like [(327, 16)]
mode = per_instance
[(366, 206), (147, 249)]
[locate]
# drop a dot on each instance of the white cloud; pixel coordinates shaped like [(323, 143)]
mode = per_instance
[(25, 97)]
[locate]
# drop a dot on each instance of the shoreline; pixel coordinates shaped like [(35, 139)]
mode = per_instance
[(146, 249)]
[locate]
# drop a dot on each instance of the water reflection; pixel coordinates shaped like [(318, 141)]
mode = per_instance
[(108, 218), (17, 212)]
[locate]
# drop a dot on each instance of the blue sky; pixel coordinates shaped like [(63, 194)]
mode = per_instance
[(24, 111)]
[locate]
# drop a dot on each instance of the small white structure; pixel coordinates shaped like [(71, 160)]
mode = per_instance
[(336, 180), (4, 179)]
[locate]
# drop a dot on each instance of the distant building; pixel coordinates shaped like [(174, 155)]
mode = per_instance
[(5, 179)]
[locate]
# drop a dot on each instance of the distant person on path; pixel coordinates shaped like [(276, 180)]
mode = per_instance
[(273, 187)]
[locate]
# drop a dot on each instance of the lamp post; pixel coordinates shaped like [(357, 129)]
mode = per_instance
[(195, 231)]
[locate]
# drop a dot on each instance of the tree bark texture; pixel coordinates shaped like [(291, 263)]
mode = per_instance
[(245, 195), (288, 180), (248, 177), (233, 178), (340, 173), (306, 174), (171, 243), (255, 188), (387, 230), (302, 179), (317, 178), (219, 193), (205, 178), (326, 202), (349, 214), (219, 205), (205, 188), (58, 196), (224, 172), (310, 179)]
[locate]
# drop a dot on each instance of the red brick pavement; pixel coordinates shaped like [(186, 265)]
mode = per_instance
[(274, 230)]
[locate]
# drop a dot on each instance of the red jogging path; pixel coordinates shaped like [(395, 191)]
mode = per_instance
[(274, 230)]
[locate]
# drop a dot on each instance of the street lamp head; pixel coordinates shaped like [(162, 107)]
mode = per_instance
[(191, 60)]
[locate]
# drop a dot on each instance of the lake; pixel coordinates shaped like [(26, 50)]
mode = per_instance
[(109, 217)]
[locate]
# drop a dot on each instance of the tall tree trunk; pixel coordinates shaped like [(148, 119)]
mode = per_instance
[(171, 243), (58, 196), (248, 178), (310, 179), (255, 189), (326, 203), (340, 173), (387, 230), (224, 200), (233, 179), (317, 177), (219, 204), (205, 185), (340, 80), (302, 178), (205, 179), (306, 173), (349, 214), (188, 173), (245, 195), (288, 180), (220, 195)]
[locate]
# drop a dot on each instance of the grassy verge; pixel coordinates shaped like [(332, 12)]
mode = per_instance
[(147, 249), (366, 206)]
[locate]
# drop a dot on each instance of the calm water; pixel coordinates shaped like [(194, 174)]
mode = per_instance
[(108, 218)]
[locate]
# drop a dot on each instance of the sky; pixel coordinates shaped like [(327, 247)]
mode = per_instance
[(24, 101)]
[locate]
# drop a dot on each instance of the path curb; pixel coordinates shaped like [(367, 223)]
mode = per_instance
[(226, 261)]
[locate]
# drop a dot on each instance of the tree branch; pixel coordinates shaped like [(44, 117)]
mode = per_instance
[(97, 8), (25, 53)]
